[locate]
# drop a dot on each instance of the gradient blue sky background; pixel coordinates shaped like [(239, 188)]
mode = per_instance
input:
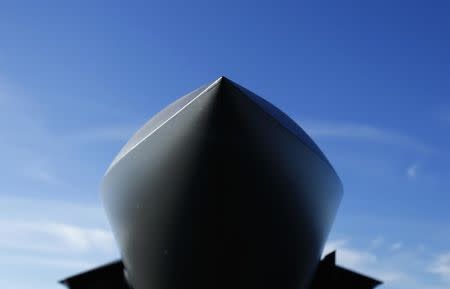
[(368, 80)]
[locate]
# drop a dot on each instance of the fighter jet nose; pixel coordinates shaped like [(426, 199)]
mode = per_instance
[(221, 189)]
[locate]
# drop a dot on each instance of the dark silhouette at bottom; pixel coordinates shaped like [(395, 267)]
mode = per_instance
[(328, 276)]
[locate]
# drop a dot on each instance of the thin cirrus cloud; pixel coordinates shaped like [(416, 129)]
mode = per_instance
[(412, 170), (347, 256), (363, 132), (53, 237), (397, 265), (377, 242), (396, 246), (48, 262), (19, 113), (102, 134), (364, 261), (49, 251), (36, 156), (52, 250), (441, 266), (38, 226), (40, 173)]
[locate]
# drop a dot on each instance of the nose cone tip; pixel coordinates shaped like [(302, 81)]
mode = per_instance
[(223, 78)]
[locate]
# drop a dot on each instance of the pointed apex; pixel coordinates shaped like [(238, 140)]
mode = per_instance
[(219, 80), (222, 78)]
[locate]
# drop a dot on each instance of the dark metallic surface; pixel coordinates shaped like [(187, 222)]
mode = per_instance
[(223, 194), (108, 276), (328, 275)]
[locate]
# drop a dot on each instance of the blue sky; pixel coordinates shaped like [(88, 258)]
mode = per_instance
[(368, 80)]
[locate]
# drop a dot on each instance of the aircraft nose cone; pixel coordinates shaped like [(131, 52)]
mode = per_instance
[(221, 190)]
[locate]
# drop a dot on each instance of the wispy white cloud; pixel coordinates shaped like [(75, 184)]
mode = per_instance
[(441, 266), (396, 246), (100, 134), (412, 170), (39, 131), (53, 237), (42, 174), (48, 261), (411, 267), (41, 238), (391, 276), (47, 240), (38, 234), (37, 150), (348, 256), (29, 210), (377, 242), (363, 132), (395, 268)]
